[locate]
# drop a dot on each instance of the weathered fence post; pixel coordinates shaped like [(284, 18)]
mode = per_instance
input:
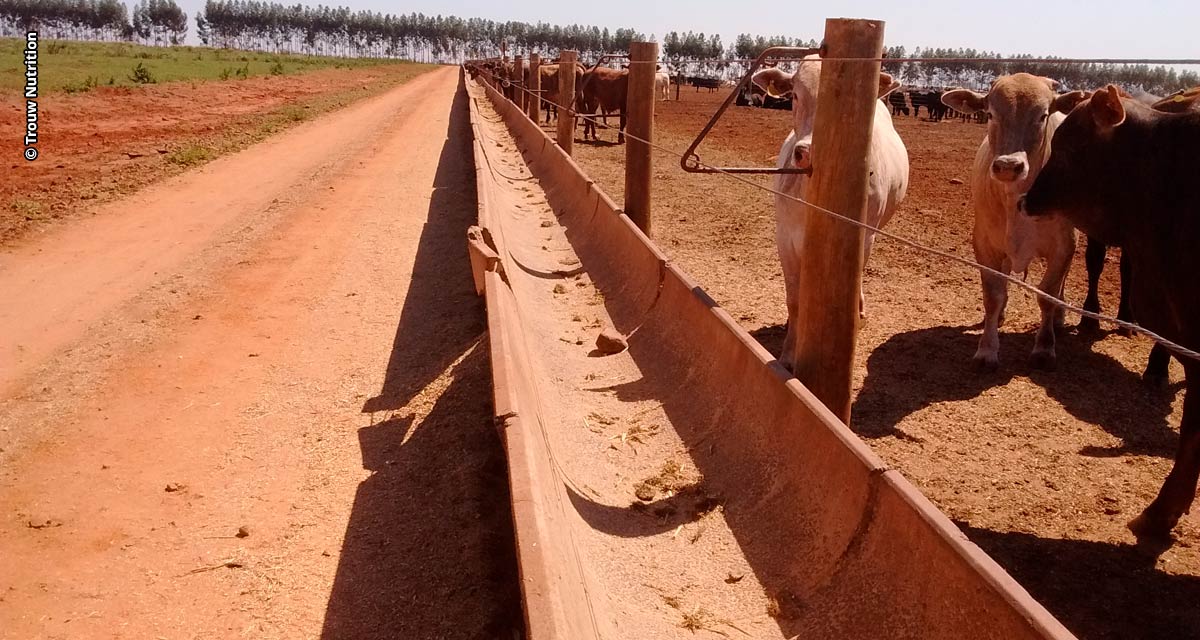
[(518, 80), (566, 100), (831, 272), (639, 107), (535, 86)]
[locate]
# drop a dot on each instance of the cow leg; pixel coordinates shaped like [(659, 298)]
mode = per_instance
[(1125, 311), (1052, 283), (1094, 260), (789, 239), (1156, 367), (621, 131), (868, 242), (995, 298), (1175, 497), (791, 284)]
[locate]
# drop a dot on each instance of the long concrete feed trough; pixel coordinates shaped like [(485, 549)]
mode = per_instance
[(841, 545)]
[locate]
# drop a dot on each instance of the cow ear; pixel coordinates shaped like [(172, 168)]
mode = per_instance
[(775, 82), (1052, 83), (887, 84), (965, 101), (1068, 101), (1106, 107)]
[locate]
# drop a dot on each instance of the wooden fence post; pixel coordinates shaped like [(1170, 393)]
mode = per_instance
[(518, 81), (639, 107), (535, 86), (831, 271), (566, 100)]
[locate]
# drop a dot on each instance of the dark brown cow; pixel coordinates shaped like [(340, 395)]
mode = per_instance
[(1180, 101), (1094, 257), (1125, 174), (604, 91)]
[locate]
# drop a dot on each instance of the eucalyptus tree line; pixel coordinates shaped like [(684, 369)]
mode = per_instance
[(67, 19), (159, 22), (253, 24), (152, 21), (341, 31)]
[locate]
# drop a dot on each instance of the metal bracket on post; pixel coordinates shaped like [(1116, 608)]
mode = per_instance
[(691, 160)]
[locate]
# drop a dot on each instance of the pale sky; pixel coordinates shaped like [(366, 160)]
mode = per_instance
[(1099, 28)]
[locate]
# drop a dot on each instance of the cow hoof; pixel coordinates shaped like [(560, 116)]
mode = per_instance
[(1152, 524), (1089, 325), (985, 363), (1125, 332), (1043, 360)]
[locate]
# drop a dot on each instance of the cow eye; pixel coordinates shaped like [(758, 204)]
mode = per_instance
[(1044, 116)]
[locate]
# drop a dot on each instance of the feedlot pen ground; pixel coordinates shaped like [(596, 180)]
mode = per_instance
[(1041, 469)]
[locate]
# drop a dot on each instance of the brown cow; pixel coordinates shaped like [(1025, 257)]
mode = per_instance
[(604, 91), (1025, 111), (1180, 101), (1125, 174), (549, 73)]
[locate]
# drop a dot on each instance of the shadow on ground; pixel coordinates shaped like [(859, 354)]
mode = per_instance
[(913, 370), (1098, 589), (428, 551)]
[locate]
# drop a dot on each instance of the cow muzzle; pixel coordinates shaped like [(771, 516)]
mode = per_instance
[(1010, 168)]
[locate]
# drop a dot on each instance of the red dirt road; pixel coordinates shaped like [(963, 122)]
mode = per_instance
[(286, 340)]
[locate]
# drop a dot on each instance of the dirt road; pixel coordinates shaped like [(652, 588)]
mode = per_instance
[(285, 341)]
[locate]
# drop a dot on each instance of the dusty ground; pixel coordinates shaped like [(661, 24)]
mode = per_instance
[(300, 355), (108, 142), (1040, 469)]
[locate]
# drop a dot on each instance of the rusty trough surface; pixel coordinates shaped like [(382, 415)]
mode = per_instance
[(815, 512)]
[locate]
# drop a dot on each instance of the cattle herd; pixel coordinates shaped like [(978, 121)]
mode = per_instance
[(1120, 169)]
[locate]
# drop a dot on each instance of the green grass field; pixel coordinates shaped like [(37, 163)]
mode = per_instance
[(78, 66)]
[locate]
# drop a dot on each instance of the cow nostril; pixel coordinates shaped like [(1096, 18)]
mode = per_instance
[(1007, 165)]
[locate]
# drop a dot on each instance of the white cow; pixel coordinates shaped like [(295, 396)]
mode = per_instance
[(662, 86), (886, 184), (1025, 111)]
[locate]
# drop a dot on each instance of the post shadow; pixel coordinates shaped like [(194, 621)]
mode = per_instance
[(428, 550)]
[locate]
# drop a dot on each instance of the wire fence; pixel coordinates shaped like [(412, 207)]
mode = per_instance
[(1175, 348)]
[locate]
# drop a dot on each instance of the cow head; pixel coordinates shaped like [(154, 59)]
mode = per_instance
[(1022, 108), (804, 85), (1180, 101), (1083, 173)]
